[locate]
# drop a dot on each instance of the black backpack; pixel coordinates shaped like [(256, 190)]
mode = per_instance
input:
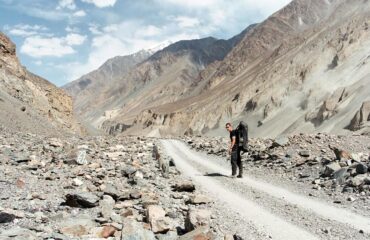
[(243, 136)]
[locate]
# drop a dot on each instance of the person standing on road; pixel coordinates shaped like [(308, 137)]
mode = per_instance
[(234, 151)]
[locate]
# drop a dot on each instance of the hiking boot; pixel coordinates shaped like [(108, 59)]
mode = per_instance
[(240, 176)]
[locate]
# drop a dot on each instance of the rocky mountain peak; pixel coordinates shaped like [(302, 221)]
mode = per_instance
[(8, 56)]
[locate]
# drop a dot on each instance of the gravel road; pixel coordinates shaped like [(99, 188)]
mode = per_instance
[(266, 211)]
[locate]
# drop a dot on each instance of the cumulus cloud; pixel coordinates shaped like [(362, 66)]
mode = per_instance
[(37, 46), (101, 3)]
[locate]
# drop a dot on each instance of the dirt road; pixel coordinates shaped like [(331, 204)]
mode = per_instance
[(265, 211)]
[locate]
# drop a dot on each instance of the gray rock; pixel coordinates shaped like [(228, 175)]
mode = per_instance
[(280, 141), (304, 153), (18, 233), (341, 175), (106, 206), (83, 200), (6, 217), (361, 168), (133, 230), (76, 226), (331, 168), (358, 180), (112, 191)]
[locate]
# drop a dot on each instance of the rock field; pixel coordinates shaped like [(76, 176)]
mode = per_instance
[(95, 188), (336, 168)]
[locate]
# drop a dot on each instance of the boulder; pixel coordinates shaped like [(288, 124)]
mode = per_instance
[(6, 217), (111, 190), (341, 175), (358, 180), (361, 168), (106, 206), (199, 199), (331, 168), (82, 200), (186, 186), (280, 141), (77, 226), (197, 218), (159, 223), (133, 230)]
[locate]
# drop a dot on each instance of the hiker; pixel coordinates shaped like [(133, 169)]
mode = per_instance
[(234, 151)]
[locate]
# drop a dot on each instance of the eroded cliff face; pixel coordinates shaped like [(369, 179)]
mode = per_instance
[(28, 102)]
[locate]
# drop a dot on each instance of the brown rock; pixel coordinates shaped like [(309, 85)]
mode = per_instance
[(107, 231), (197, 218), (202, 233)]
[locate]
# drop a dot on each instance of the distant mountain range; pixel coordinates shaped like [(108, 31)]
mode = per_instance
[(303, 69)]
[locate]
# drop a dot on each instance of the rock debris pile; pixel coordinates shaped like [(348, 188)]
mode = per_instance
[(96, 188)]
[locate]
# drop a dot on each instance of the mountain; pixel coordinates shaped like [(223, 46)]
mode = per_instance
[(110, 98), (28, 102), (304, 69)]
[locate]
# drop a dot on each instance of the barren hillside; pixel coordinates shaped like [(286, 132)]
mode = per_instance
[(28, 102), (304, 69)]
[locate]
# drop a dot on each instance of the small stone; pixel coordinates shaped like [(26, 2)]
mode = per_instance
[(83, 199), (351, 199), (186, 186), (106, 206), (304, 153), (107, 231), (361, 168), (77, 182), (199, 199)]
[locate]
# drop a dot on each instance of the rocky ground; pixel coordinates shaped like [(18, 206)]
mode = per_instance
[(96, 188), (127, 188), (335, 168)]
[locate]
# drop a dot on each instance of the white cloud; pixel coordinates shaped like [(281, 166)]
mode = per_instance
[(71, 29), (75, 39), (25, 30), (80, 13), (42, 47), (94, 29), (69, 4), (187, 22), (101, 3), (37, 46)]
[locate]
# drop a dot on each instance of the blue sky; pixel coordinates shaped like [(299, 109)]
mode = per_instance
[(61, 40)]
